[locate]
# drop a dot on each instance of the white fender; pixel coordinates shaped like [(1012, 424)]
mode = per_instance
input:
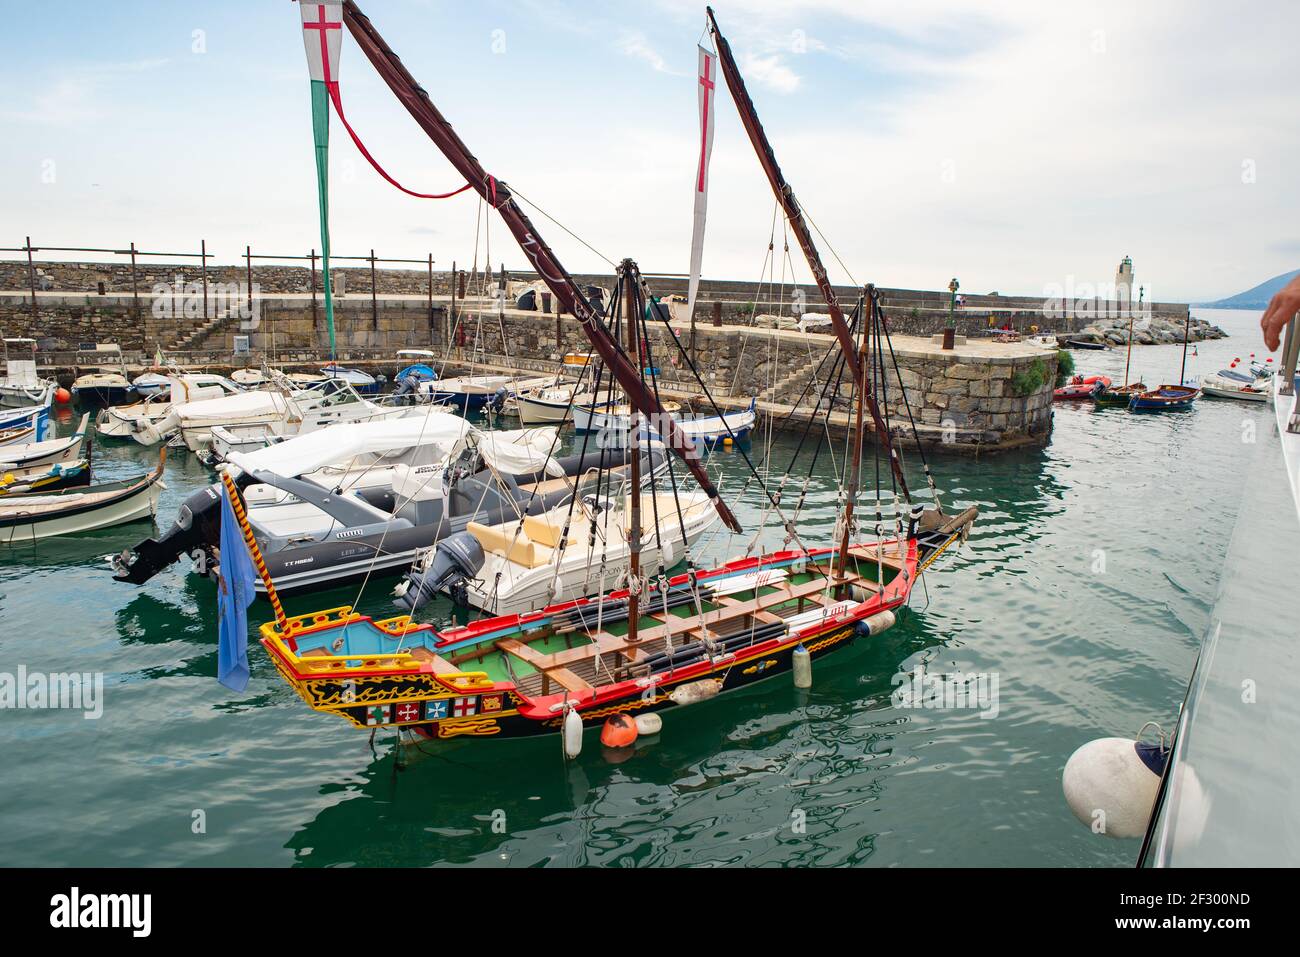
[(649, 723), (801, 665), (1109, 788), (572, 734)]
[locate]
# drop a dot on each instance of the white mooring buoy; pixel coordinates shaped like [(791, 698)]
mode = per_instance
[(1110, 788), (801, 666), (572, 734), (649, 723)]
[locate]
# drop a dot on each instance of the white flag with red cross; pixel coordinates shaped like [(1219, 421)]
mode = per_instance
[(322, 37), (707, 85)]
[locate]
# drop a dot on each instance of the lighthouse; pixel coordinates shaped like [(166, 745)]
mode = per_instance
[(1124, 285)]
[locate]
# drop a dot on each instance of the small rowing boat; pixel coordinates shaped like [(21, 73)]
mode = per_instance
[(27, 517), (1164, 398), (33, 455)]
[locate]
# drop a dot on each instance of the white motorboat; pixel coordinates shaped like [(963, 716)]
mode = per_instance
[(21, 386), (151, 383), (123, 421), (228, 440), (326, 402), (105, 384), (553, 404), (610, 417), (45, 454), (525, 564), (363, 382), (1230, 384)]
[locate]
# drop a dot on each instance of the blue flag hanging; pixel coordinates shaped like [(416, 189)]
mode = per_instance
[(235, 592)]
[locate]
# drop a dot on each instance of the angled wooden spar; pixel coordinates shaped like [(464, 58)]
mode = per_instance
[(557, 279), (794, 215)]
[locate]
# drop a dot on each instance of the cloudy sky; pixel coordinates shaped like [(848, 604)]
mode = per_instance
[(1013, 145)]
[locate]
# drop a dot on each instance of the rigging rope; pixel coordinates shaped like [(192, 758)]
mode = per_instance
[(337, 99)]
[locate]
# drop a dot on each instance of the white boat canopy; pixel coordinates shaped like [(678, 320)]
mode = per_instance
[(520, 451), (231, 407), (348, 440)]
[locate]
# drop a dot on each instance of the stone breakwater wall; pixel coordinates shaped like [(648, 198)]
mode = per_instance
[(733, 302), (981, 396)]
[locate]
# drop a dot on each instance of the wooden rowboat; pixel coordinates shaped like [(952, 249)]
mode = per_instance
[(1164, 398), (27, 517)]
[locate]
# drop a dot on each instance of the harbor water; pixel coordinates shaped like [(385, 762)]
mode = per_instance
[(1079, 600)]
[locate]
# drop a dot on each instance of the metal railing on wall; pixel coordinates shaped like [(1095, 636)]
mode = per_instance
[(134, 254)]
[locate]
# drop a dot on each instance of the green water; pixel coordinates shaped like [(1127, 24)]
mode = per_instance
[(1079, 651)]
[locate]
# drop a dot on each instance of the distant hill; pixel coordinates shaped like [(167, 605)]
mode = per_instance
[(1255, 298)]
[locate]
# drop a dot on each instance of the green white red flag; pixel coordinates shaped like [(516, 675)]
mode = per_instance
[(322, 37)]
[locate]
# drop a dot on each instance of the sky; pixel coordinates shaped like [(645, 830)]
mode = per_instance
[(1017, 146)]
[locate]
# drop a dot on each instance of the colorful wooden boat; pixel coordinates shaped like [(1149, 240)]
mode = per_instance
[(520, 675), (1164, 398), (667, 642), (49, 478), (1120, 396)]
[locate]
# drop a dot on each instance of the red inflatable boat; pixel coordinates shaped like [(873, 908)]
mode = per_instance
[(1082, 387)]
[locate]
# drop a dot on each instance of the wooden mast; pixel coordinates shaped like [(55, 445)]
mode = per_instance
[(794, 215), (1129, 355), (634, 444), (1187, 331), (499, 197)]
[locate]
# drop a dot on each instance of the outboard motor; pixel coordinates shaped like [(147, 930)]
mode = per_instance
[(498, 400), (407, 386), (455, 561), (197, 525)]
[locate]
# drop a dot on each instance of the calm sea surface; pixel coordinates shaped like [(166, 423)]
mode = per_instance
[(1084, 588)]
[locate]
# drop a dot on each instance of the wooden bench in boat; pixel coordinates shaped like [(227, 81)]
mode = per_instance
[(604, 643), (543, 663), (890, 555)]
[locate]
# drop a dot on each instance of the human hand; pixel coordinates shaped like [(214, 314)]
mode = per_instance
[(1280, 311)]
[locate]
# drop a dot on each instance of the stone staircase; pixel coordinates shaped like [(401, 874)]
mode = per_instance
[(197, 335), (788, 388)]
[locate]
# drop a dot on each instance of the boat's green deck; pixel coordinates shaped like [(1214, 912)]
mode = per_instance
[(494, 663)]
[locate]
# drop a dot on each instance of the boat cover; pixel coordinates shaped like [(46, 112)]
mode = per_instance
[(231, 408), (346, 440), (520, 451)]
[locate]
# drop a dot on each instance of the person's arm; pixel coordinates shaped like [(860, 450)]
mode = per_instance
[(1279, 312)]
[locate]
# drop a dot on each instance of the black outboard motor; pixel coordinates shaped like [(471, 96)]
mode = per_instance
[(454, 563), (197, 526)]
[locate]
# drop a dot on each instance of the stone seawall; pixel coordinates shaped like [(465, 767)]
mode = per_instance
[(77, 311)]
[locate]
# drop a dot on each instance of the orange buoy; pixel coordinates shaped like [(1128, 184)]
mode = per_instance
[(619, 732), (62, 396)]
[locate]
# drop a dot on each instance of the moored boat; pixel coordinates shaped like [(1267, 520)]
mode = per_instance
[(20, 386), (46, 453), (1164, 398), (24, 426), (104, 384), (28, 517), (44, 478), (1082, 387), (1230, 384)]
